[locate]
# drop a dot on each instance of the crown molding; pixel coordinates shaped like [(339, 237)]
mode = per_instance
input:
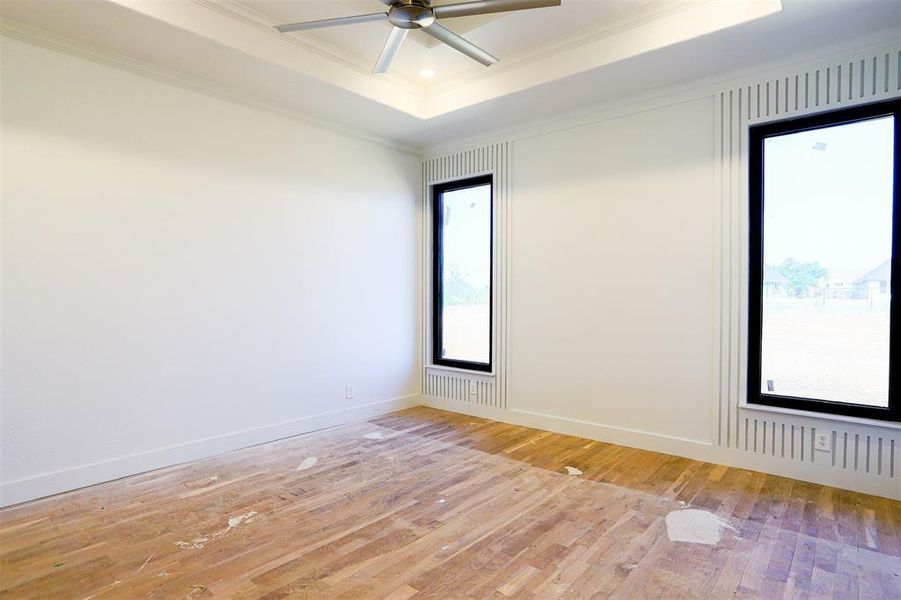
[(65, 45), (826, 55), (264, 43), (652, 32)]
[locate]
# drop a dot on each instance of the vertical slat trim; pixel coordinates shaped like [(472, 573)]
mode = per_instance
[(462, 387)]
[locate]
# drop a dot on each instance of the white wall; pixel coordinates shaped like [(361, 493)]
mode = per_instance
[(182, 275), (626, 253), (612, 291)]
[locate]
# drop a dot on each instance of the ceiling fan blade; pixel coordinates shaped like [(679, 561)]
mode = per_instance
[(330, 22), (395, 39), (461, 44), (484, 7)]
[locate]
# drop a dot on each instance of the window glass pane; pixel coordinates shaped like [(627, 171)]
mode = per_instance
[(827, 249), (466, 274)]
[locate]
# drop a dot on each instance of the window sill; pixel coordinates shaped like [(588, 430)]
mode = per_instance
[(893, 425), (486, 374)]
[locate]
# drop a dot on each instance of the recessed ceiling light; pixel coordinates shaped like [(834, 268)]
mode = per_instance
[(427, 73)]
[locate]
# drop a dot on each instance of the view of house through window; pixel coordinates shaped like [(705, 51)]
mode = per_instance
[(463, 250), (826, 253)]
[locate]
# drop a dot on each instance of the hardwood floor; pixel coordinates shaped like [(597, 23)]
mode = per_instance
[(429, 504)]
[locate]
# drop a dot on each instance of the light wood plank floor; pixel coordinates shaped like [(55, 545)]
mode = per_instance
[(429, 504)]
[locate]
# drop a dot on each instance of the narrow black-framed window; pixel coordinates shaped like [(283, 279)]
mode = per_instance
[(824, 317), (463, 273)]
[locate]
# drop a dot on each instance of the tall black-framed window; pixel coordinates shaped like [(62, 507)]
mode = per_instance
[(824, 324), (462, 286)]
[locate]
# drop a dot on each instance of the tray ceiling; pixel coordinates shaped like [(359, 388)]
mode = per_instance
[(502, 34), (553, 60)]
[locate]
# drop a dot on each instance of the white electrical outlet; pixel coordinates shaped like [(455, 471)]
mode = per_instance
[(824, 442), (349, 392)]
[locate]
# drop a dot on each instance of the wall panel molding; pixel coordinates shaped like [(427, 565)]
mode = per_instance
[(866, 456), (453, 384), (862, 451)]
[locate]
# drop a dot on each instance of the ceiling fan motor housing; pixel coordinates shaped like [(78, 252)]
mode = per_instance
[(414, 15)]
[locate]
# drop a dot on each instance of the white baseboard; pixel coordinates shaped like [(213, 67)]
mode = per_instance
[(820, 473), (22, 490), (47, 484), (688, 448)]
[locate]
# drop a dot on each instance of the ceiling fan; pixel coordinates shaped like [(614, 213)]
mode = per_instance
[(420, 14)]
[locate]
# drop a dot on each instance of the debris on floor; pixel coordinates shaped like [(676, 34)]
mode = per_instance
[(379, 435), (233, 522), (149, 558), (236, 521), (695, 526), (197, 543), (307, 463)]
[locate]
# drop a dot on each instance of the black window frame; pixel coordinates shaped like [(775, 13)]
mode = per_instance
[(438, 190), (757, 135)]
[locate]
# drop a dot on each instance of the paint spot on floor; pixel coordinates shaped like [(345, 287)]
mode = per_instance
[(197, 543), (234, 522), (379, 435), (696, 526), (573, 471), (307, 463)]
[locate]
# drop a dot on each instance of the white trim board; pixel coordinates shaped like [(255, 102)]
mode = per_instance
[(820, 473), (47, 484), (694, 449)]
